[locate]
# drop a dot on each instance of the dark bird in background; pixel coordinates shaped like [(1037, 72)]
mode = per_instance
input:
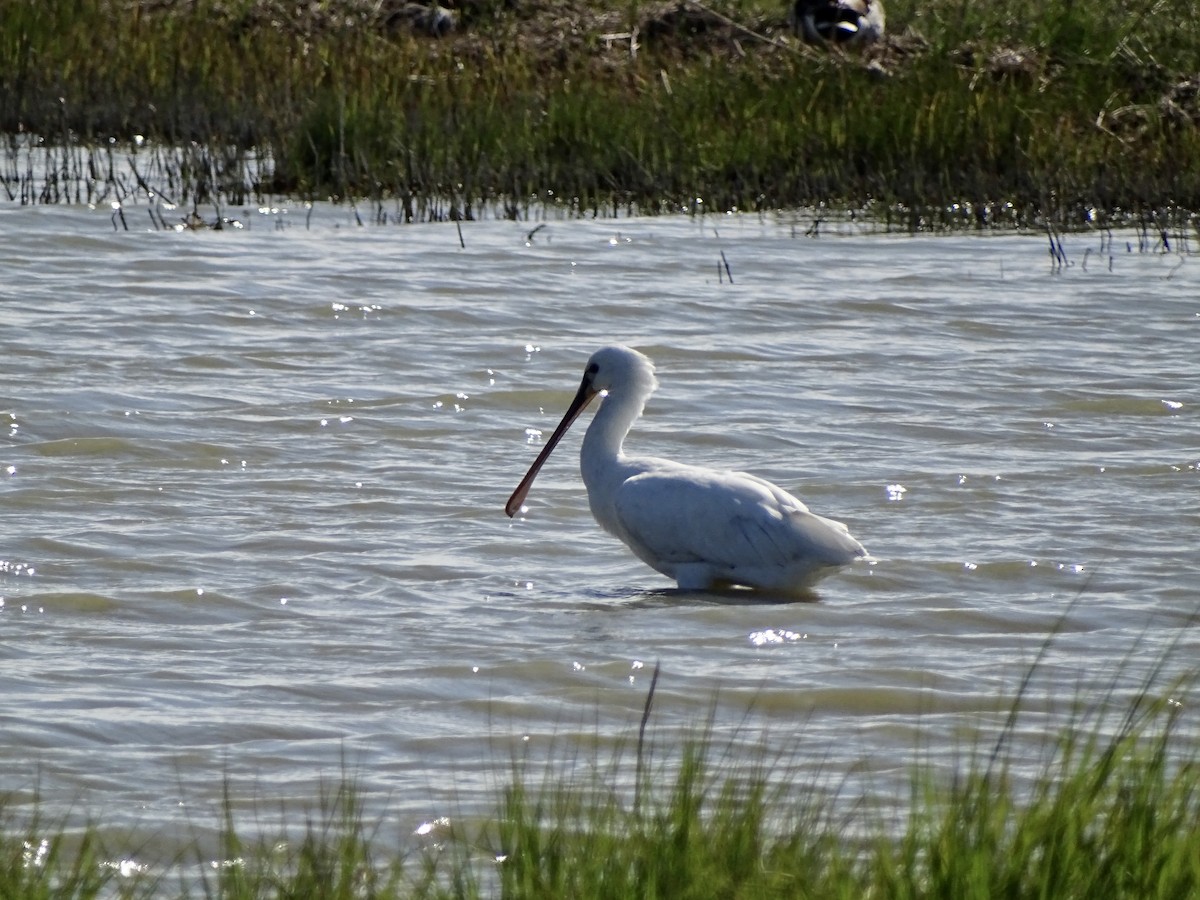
[(838, 21)]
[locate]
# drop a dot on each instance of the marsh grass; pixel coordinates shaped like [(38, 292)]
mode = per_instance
[(701, 818), (40, 859), (1111, 810), (973, 115)]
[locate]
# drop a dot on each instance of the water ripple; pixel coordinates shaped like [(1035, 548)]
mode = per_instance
[(252, 489)]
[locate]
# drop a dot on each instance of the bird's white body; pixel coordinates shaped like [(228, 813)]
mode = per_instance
[(702, 527)]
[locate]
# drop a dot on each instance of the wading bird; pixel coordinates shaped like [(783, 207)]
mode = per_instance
[(839, 21), (702, 527)]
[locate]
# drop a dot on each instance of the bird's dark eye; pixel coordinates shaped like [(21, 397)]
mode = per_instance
[(591, 370)]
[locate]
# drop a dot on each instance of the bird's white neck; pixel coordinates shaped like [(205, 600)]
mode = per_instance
[(606, 433), (602, 455)]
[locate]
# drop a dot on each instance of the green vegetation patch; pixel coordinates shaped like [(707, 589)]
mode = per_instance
[(981, 114), (1111, 811)]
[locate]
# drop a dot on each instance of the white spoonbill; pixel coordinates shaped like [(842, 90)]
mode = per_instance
[(702, 527)]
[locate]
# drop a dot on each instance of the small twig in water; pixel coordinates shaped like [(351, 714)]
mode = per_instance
[(1058, 256), (458, 225), (641, 744), (151, 193), (726, 264)]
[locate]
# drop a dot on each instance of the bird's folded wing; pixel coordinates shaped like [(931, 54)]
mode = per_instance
[(687, 514)]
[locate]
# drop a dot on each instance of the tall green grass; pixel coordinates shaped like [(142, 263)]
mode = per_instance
[(1111, 811), (1012, 110), (40, 860)]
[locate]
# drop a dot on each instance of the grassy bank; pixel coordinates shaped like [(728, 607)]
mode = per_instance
[(1112, 811), (971, 114)]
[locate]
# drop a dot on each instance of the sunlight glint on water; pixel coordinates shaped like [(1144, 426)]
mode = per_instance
[(253, 487)]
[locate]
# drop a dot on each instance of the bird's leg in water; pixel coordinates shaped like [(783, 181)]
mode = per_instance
[(694, 577)]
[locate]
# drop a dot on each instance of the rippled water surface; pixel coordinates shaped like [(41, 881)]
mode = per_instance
[(253, 485)]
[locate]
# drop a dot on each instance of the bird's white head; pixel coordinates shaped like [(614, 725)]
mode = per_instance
[(622, 370)]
